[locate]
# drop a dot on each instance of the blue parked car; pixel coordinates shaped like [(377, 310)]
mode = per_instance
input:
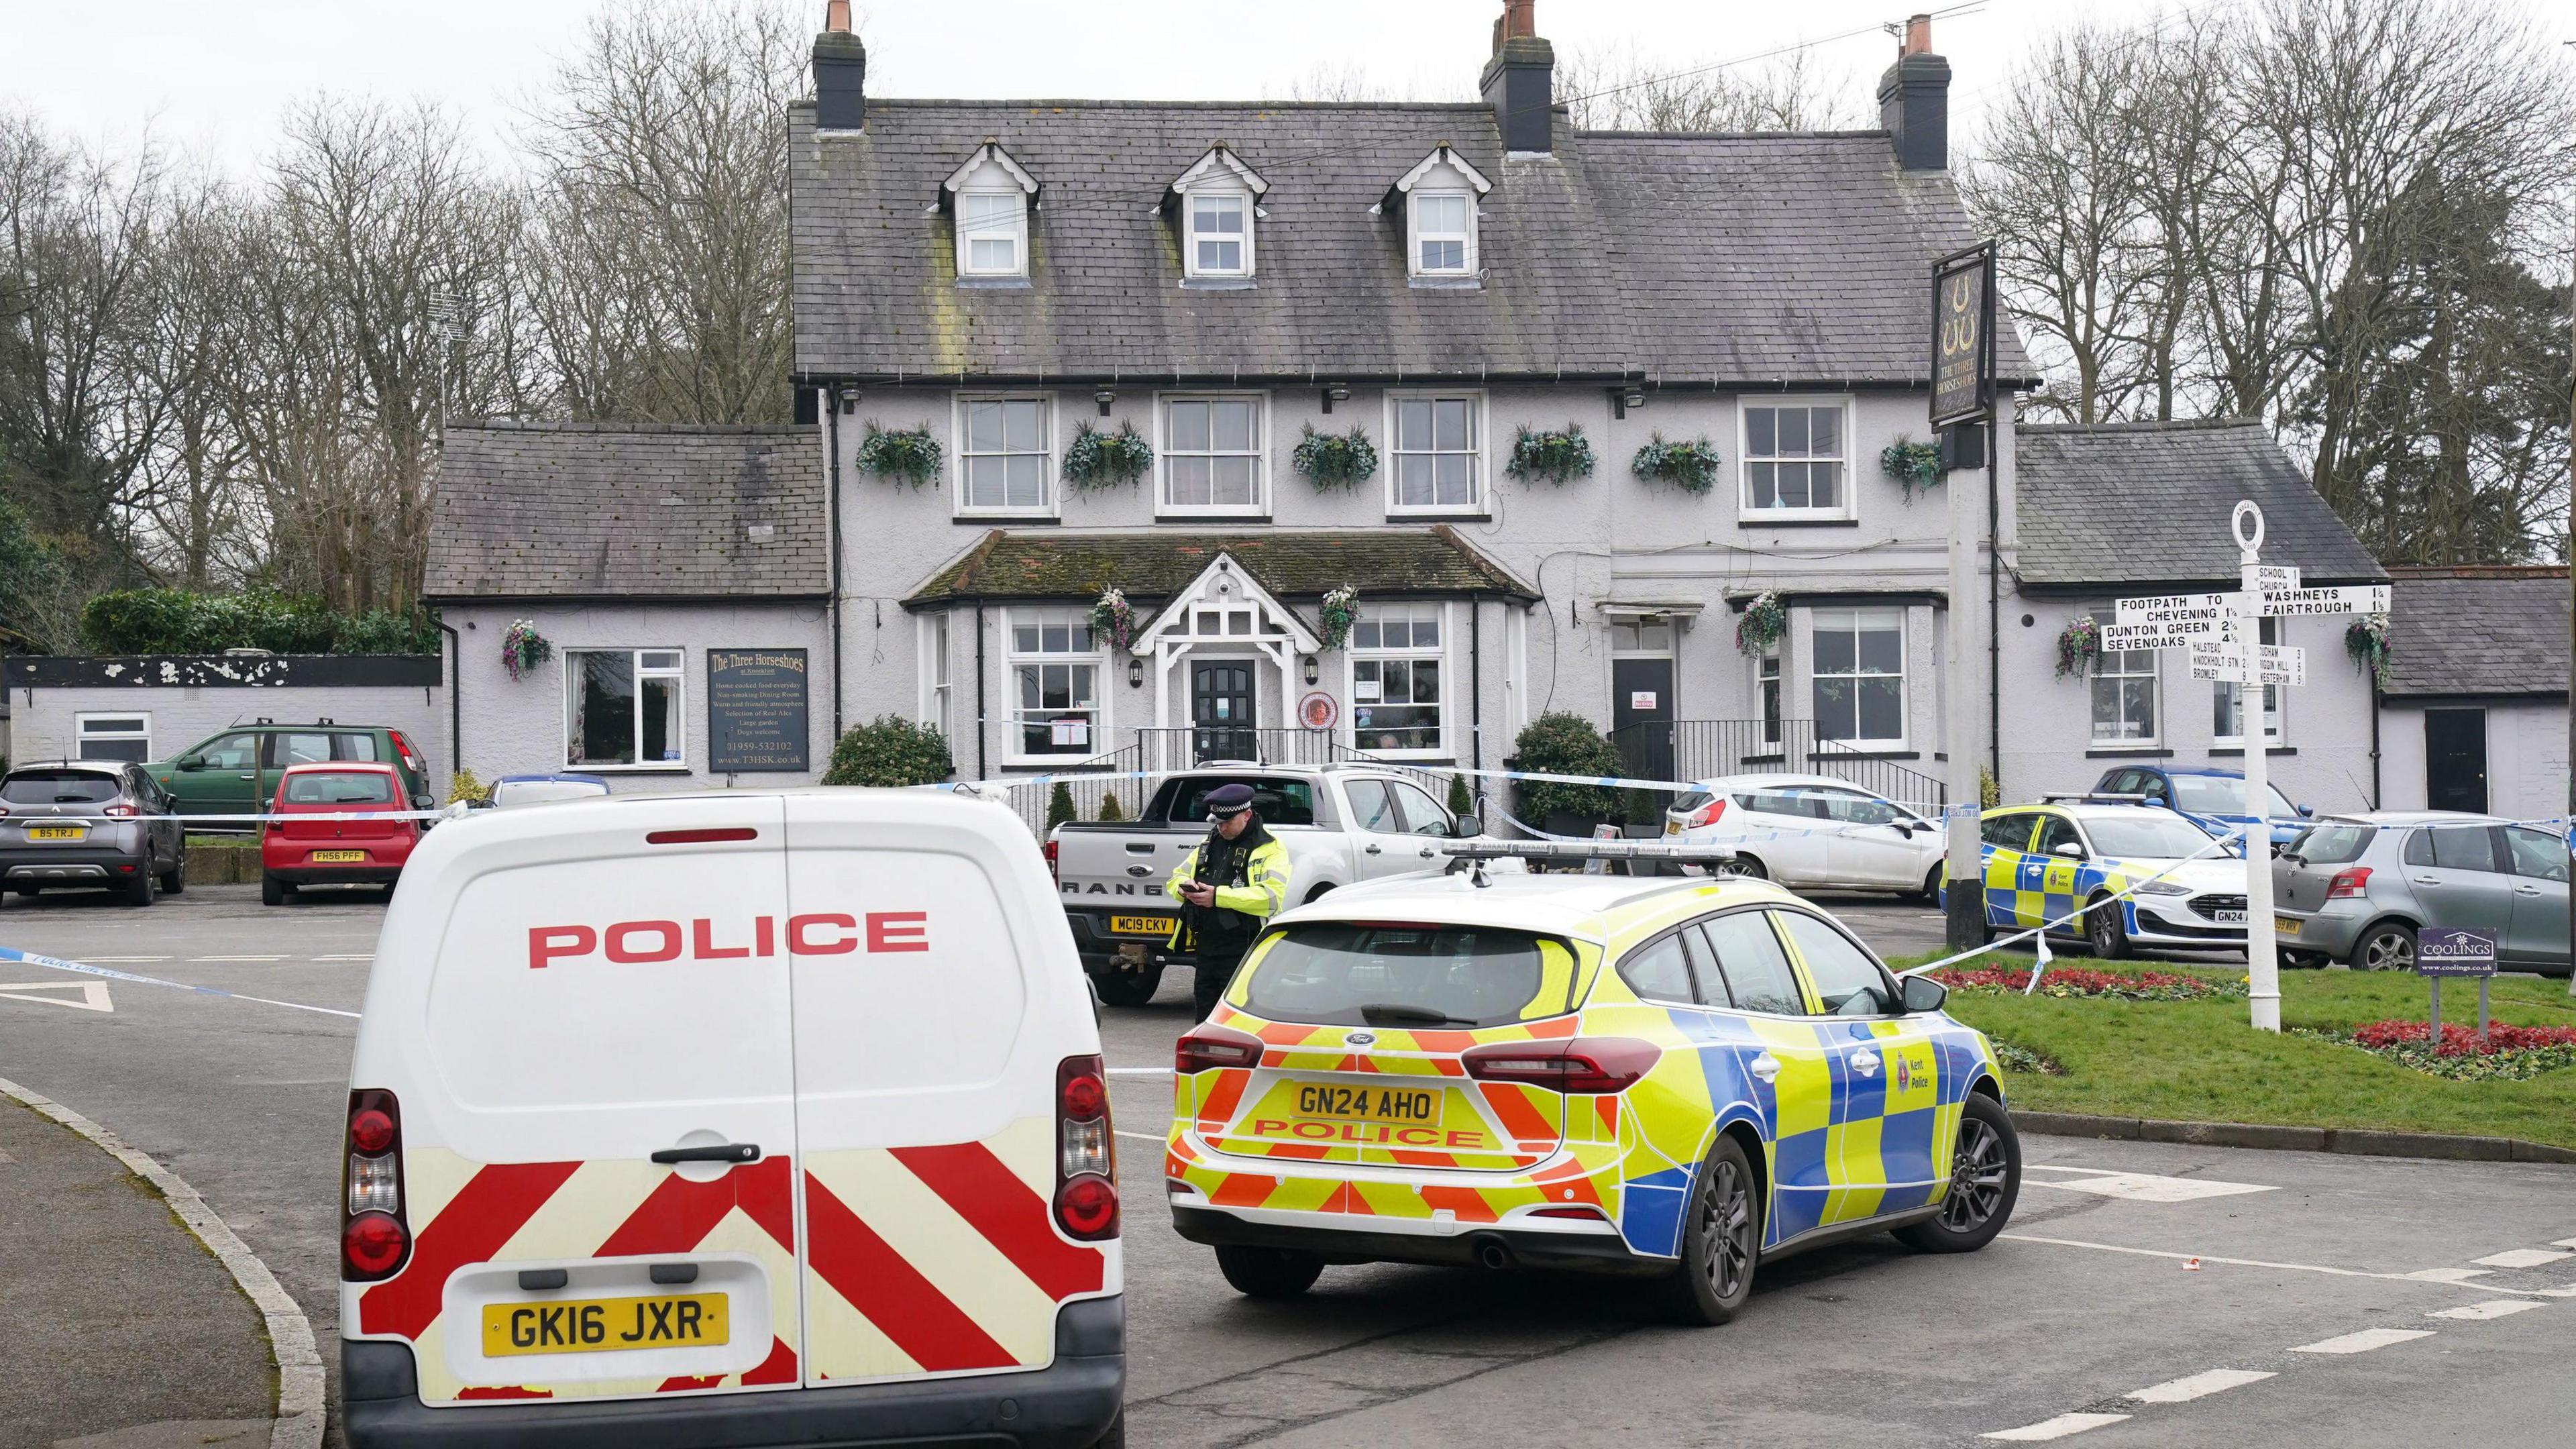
[(2211, 798)]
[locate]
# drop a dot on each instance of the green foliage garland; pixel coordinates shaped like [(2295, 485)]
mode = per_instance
[(1913, 465), (1557, 457), (1563, 743), (910, 456), (1335, 460), (890, 750), (1765, 621), (1691, 466), (1099, 460), (176, 621)]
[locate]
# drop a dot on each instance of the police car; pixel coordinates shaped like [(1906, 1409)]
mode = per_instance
[(1680, 1080), (748, 1118), (2063, 862)]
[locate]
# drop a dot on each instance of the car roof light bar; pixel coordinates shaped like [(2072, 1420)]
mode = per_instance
[(1585, 850)]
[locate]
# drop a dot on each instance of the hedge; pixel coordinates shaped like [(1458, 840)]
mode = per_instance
[(176, 621), (890, 750)]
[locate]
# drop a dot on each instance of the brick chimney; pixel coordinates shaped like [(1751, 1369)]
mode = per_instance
[(1914, 101), (1519, 80), (840, 72)]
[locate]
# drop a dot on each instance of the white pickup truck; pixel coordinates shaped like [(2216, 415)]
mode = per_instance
[(1340, 823)]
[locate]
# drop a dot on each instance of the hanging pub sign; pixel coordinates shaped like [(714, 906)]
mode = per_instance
[(1963, 341), (756, 711)]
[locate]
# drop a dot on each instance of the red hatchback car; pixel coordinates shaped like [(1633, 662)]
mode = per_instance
[(322, 851)]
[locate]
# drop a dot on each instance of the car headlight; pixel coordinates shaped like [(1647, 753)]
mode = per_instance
[(2162, 888)]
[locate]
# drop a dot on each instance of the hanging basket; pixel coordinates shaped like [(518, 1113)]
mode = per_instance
[(1333, 461), (2079, 646), (1101, 460), (523, 648), (1913, 465), (910, 456), (2366, 640), (1114, 619), (1765, 623), (1559, 457), (1690, 466), (1341, 610)]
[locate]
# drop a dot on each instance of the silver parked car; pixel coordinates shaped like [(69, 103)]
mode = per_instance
[(2357, 888)]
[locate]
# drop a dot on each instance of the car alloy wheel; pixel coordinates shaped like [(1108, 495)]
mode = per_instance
[(1977, 1177), (1725, 1227), (2388, 950)]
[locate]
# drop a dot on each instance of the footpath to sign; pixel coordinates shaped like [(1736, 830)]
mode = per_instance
[(2455, 951)]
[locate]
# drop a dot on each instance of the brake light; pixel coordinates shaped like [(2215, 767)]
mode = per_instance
[(699, 837), (121, 812), (2351, 883), (1053, 872), (402, 747), (1585, 1065), (1086, 1190), (1215, 1046), (1707, 814), (374, 1238)]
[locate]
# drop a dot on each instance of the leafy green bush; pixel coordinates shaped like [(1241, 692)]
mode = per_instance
[(1060, 806), (176, 621), (1564, 743), (1460, 801), (1110, 809), (468, 786), (890, 750)]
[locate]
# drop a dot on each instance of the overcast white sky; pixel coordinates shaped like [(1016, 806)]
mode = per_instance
[(213, 76)]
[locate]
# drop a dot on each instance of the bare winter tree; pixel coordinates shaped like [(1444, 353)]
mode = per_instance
[(1624, 91)]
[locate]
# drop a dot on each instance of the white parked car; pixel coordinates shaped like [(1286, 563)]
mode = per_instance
[(1813, 831)]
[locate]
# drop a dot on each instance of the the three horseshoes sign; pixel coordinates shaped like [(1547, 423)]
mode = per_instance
[(1963, 341)]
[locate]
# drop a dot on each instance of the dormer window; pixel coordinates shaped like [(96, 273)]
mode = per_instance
[(1218, 201), (1440, 197), (990, 197)]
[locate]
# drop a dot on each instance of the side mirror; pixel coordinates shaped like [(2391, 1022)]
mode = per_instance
[(192, 763), (2070, 850), (1922, 993), (2307, 812), (1466, 827)]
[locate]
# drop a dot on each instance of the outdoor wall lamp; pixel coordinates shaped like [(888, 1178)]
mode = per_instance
[(1624, 398), (1135, 672), (1105, 397), (1313, 671), (1333, 393), (849, 402)]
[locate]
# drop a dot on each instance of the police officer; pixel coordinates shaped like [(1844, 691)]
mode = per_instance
[(1227, 886)]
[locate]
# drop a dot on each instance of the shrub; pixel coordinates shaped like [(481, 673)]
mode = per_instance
[(1461, 802), (467, 786), (176, 621), (1109, 807), (1564, 743), (890, 750), (1060, 808)]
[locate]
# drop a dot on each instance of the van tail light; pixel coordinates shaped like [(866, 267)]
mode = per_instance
[(1707, 814), (1589, 1065), (1086, 1187), (374, 1237), (1215, 1046), (410, 757), (2349, 884), (1054, 873), (121, 812)]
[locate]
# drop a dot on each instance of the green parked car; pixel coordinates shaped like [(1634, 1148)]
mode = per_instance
[(236, 772)]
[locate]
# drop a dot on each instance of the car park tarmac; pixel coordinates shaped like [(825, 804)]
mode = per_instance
[(2269, 1297)]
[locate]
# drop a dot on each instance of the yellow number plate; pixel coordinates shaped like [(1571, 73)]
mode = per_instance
[(337, 857), (1140, 925), (1403, 1106), (57, 832), (600, 1325), (2285, 925)]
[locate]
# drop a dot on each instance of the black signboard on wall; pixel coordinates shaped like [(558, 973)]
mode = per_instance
[(756, 711), (1963, 343)]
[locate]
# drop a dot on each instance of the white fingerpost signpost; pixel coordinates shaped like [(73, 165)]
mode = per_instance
[(2224, 636)]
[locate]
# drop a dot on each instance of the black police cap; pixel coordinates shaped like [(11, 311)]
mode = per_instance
[(1228, 799)]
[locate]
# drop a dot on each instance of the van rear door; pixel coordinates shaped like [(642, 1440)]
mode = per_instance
[(938, 1002), (610, 982)]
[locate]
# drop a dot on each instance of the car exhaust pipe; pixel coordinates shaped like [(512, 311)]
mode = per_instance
[(1493, 1253)]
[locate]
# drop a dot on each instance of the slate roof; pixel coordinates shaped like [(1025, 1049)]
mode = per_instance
[(1290, 563), (2490, 631), (1766, 260), (593, 510), (2149, 503)]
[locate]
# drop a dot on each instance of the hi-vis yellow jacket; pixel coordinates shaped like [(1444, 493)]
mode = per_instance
[(1264, 892)]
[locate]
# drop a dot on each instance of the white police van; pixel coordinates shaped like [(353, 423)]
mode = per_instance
[(730, 1119)]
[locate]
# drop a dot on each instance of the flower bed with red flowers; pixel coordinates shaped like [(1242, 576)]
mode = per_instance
[(2087, 981), (2509, 1053)]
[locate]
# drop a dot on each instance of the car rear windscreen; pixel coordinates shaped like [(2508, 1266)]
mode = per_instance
[(1277, 802), (2335, 843), (1692, 801), (1408, 977), (59, 787), (354, 788)]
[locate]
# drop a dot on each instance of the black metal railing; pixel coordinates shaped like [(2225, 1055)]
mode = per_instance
[(1700, 749), (1032, 800)]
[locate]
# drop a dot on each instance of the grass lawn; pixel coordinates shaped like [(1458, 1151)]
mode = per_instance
[(2199, 1061)]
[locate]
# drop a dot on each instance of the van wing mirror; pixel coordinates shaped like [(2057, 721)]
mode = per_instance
[(1467, 827), (1922, 993), (192, 763)]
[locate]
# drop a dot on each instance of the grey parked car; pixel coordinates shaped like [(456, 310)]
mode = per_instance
[(89, 824), (2357, 888)]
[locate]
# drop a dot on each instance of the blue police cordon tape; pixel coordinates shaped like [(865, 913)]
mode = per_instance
[(56, 963)]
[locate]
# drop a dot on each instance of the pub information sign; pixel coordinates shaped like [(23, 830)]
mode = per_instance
[(756, 711), (1963, 347)]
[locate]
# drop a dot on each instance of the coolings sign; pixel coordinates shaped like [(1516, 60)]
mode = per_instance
[(1963, 352), (756, 711)]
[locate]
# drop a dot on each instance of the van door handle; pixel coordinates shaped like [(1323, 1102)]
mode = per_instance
[(1145, 849), (716, 1152), (1374, 850)]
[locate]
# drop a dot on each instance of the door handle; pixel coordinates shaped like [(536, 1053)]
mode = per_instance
[(1426, 855), (1765, 1066), (1865, 1062), (1375, 850), (2526, 890), (713, 1152), (2429, 880)]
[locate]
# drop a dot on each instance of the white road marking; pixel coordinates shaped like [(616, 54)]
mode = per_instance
[(1143, 1136), (2522, 1258), (2417, 1277), (1140, 1071), (93, 994), (2564, 1243), (2057, 1428), (2364, 1341), (2496, 1308), (2446, 1275), (360, 956), (2148, 1187), (2198, 1386), (236, 958)]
